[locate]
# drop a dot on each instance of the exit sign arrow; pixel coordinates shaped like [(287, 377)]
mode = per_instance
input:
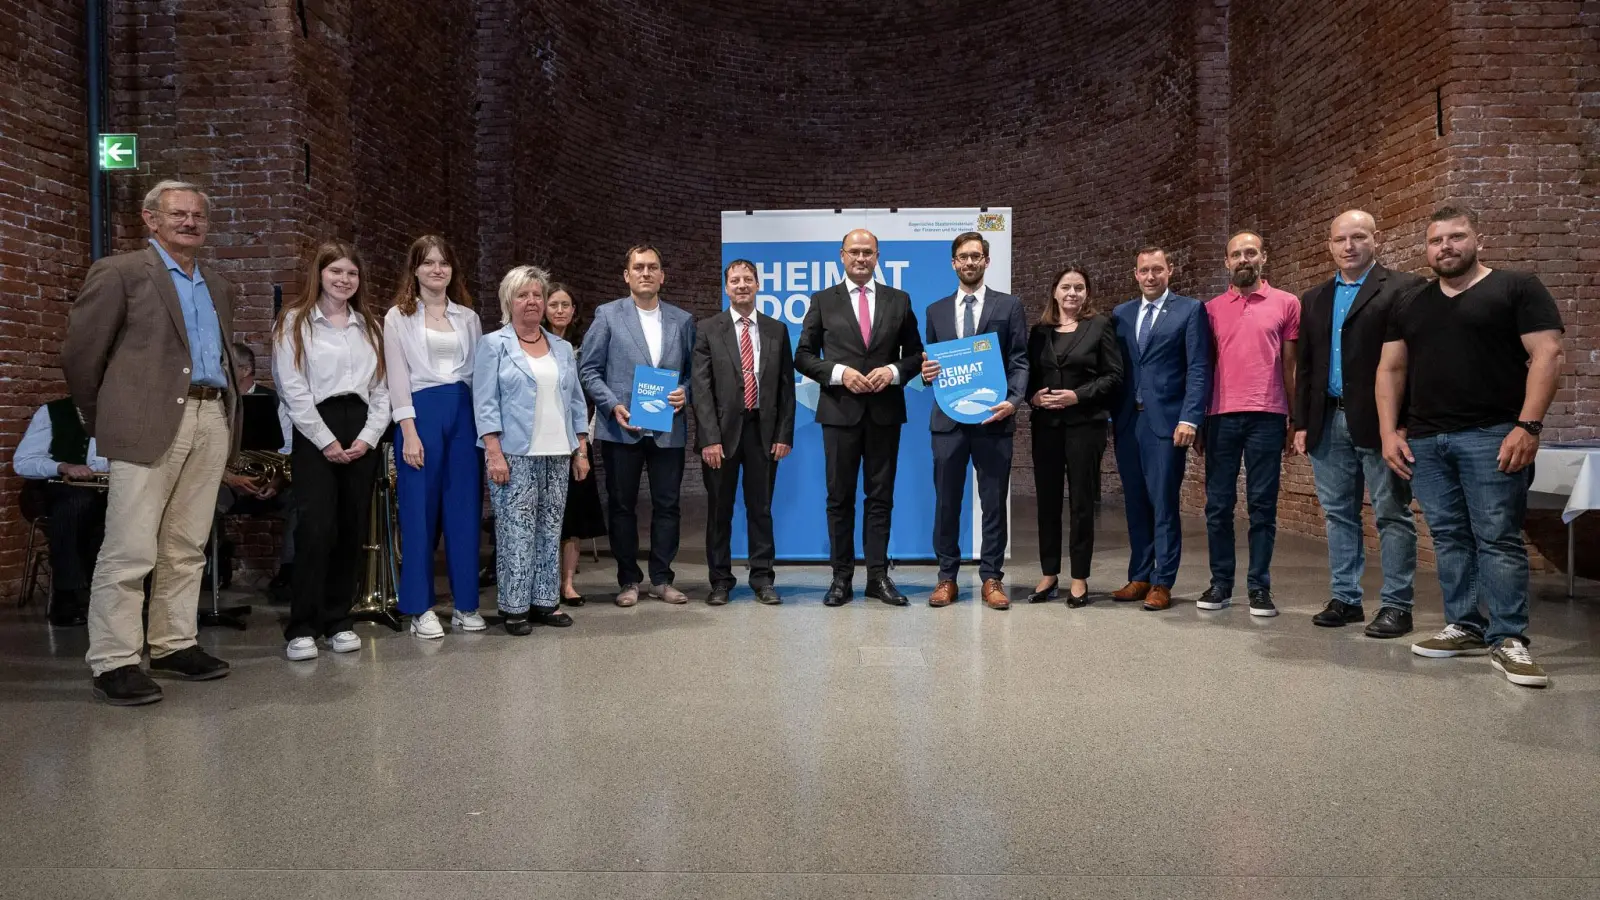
[(119, 151)]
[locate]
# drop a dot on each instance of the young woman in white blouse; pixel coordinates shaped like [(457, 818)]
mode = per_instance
[(429, 337), (328, 363)]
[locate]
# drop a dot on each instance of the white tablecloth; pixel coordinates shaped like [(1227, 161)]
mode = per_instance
[(1570, 471)]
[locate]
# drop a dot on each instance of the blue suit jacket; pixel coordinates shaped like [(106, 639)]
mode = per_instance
[(505, 396), (1003, 315), (1173, 373), (613, 346)]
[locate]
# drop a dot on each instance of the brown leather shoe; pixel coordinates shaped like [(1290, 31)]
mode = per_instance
[(944, 594), (1131, 592), (994, 594), (1159, 598)]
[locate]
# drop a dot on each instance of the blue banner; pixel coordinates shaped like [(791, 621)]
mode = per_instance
[(797, 254), (972, 377), (649, 408)]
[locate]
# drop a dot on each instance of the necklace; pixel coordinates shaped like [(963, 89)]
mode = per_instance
[(537, 337)]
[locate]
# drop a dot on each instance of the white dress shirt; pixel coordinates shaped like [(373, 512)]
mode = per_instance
[(406, 358), (650, 321), (338, 361), (32, 459), (977, 308), (853, 292)]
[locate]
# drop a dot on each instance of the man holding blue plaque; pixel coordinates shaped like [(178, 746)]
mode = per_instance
[(978, 387), (859, 343), (629, 344)]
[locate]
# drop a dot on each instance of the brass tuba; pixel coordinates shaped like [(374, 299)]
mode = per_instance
[(376, 600), (262, 466)]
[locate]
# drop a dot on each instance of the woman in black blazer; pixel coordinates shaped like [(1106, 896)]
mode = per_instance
[(1074, 367)]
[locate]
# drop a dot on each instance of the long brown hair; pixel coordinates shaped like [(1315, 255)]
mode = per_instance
[(406, 294), (574, 335), (295, 317), (1052, 309)]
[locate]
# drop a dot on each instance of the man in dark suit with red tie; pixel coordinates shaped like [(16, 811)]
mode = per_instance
[(859, 343), (743, 381), (975, 309)]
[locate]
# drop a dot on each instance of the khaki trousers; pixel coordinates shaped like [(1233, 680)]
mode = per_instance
[(158, 518)]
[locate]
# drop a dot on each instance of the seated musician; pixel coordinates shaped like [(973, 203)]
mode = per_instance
[(63, 469), (266, 428)]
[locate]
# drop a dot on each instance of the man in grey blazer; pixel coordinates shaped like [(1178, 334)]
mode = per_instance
[(639, 330), (148, 360)]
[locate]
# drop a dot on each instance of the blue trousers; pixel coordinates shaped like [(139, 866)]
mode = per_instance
[(1256, 438), (1152, 478), (447, 491), (1342, 470), (1475, 513)]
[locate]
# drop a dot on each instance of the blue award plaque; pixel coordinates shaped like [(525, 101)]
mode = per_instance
[(972, 377), (649, 408)]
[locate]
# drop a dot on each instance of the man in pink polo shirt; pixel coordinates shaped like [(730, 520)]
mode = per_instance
[(1254, 327)]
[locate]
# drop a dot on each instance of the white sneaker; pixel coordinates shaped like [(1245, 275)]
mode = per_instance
[(426, 626), (467, 621), (301, 648), (344, 642)]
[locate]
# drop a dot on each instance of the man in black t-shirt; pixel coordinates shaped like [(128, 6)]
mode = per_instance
[(1482, 349)]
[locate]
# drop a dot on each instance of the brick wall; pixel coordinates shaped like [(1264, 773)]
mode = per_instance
[(557, 133)]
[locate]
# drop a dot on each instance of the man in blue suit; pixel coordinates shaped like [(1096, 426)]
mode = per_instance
[(1166, 351), (639, 330), (975, 309)]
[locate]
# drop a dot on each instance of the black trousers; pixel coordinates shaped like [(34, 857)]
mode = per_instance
[(760, 472), (1072, 451), (333, 502), (990, 455), (625, 465), (77, 526), (871, 452)]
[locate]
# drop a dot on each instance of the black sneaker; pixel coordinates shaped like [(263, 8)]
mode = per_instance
[(189, 664), (1213, 599), (1337, 614), (1261, 602), (126, 686), (1389, 623)]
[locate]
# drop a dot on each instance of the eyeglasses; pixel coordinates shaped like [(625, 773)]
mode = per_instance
[(178, 217), (861, 254), (971, 258)]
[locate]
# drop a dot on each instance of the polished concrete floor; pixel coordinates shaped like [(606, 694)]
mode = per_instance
[(801, 751)]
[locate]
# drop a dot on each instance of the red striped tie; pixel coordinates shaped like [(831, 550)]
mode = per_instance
[(747, 361)]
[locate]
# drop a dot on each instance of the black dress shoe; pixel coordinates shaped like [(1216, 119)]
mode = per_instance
[(1046, 595), (768, 595), (189, 664), (518, 624), (554, 618), (126, 686), (1338, 614), (717, 597), (69, 609), (1078, 601), (882, 588), (573, 601), (839, 593), (1389, 623)]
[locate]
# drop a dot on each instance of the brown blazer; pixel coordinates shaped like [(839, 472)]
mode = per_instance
[(126, 355)]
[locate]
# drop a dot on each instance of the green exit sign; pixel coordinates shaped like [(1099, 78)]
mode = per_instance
[(119, 151)]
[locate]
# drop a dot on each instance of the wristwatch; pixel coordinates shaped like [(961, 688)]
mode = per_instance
[(1532, 428)]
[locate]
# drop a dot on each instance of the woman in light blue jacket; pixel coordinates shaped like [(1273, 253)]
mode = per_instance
[(532, 424)]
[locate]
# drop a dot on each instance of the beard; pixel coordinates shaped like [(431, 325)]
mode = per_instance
[(1245, 275), (1460, 265)]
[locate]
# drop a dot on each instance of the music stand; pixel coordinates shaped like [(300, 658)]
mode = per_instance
[(227, 616)]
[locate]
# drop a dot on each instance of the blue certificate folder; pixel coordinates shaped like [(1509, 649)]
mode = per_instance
[(649, 408), (972, 377)]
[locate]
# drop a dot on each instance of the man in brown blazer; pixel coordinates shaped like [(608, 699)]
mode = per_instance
[(148, 361)]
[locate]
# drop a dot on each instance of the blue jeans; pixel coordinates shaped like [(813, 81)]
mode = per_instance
[(1257, 438), (1340, 469), (1475, 513)]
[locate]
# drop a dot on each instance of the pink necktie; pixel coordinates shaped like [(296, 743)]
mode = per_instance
[(864, 316)]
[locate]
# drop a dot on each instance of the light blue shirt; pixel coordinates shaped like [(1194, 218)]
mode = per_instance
[(1344, 297), (200, 321)]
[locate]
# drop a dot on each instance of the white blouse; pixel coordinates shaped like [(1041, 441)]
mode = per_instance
[(549, 431), (338, 361), (410, 365)]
